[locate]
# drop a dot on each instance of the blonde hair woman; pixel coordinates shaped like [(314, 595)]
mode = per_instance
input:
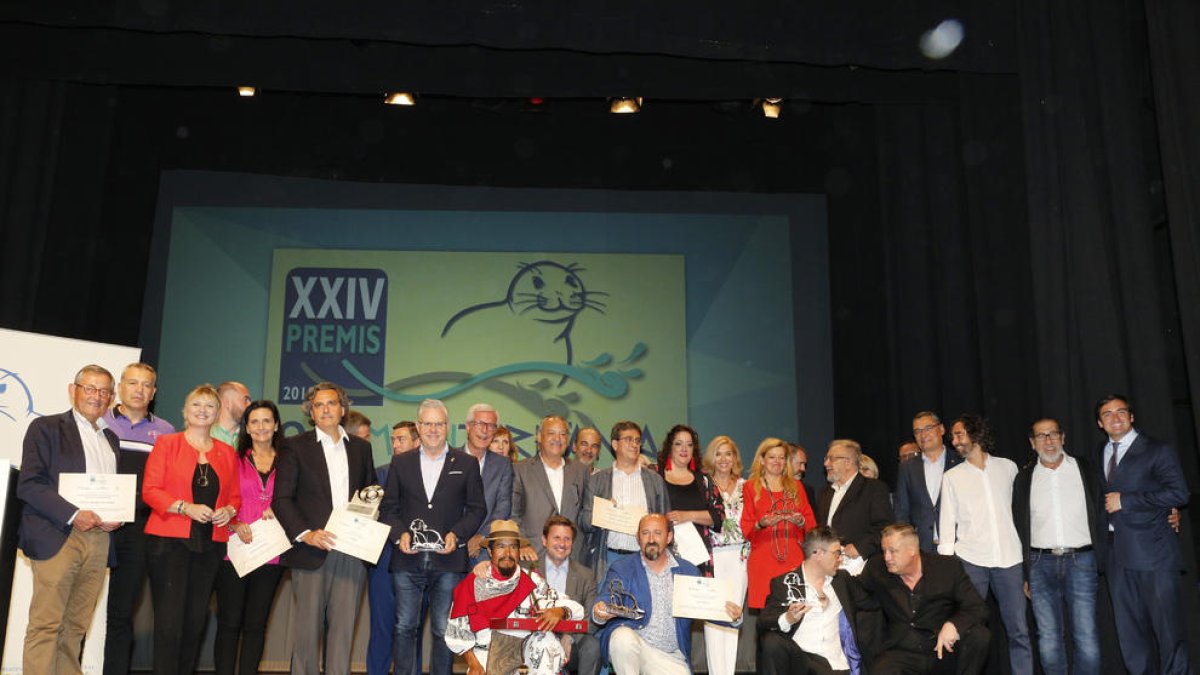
[(775, 516)]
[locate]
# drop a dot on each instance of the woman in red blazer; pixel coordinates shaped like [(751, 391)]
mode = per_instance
[(192, 488), (775, 517)]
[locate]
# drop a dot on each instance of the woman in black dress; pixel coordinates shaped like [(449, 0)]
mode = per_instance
[(694, 498)]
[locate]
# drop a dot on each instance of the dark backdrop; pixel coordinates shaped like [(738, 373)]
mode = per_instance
[(1013, 230)]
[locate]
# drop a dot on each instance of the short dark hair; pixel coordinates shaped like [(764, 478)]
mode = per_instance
[(355, 420), (927, 413), (978, 430), (623, 425), (244, 444), (1109, 398), (311, 393), (556, 520), (664, 453), (819, 537), (1057, 424)]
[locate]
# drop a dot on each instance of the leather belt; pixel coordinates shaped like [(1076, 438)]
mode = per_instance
[(1062, 550), (622, 551)]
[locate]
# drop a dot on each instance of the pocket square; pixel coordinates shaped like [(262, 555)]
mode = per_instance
[(454, 473)]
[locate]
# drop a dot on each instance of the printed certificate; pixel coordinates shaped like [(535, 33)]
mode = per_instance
[(267, 541), (110, 495), (689, 544), (701, 598), (610, 516), (357, 535)]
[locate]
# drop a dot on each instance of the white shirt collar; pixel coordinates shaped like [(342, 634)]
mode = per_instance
[(325, 438)]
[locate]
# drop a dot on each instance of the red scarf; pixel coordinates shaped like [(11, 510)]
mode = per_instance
[(499, 607)]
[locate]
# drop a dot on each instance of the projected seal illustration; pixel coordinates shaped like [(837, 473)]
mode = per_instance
[(16, 401), (547, 292)]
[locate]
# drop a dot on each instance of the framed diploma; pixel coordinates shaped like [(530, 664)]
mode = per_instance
[(357, 535), (110, 495), (267, 541), (610, 516), (701, 598)]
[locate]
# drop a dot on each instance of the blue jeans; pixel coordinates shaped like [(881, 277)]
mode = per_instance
[(1008, 585), (413, 588), (1068, 580)]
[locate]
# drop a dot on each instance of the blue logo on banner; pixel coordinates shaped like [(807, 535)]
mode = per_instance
[(333, 318)]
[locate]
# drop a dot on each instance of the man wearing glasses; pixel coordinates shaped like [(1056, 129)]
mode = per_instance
[(495, 470), (434, 503), (626, 483), (854, 505), (68, 547), (1054, 511), (808, 624), (1140, 481), (548, 484), (919, 482)]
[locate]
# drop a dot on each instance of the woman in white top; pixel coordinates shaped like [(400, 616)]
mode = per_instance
[(723, 463)]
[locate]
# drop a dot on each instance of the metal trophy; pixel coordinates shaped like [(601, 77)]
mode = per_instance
[(621, 602), (365, 502), (424, 538), (795, 589)]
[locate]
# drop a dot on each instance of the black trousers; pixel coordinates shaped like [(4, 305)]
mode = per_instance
[(968, 658), (243, 607), (782, 656), (125, 584), (181, 584)]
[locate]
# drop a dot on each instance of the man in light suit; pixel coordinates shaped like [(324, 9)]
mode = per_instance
[(919, 482), (576, 582), (495, 470), (68, 547), (548, 484), (318, 471), (1140, 481), (433, 497), (855, 506)]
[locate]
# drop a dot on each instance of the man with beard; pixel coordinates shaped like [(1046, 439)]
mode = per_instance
[(657, 641), (1054, 511), (504, 590)]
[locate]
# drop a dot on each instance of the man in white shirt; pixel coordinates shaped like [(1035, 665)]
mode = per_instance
[(68, 547), (547, 484), (1055, 515), (808, 622), (977, 526), (919, 482)]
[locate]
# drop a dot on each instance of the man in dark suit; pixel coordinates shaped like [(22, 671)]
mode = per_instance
[(494, 469), (804, 628), (548, 484), (319, 471), (919, 481), (576, 582), (855, 506), (433, 502), (1141, 481), (931, 606), (68, 547)]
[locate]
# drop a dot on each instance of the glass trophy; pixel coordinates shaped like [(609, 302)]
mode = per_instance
[(795, 589), (425, 538)]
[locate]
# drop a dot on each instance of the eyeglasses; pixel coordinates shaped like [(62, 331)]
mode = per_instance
[(631, 439), (432, 425), (1049, 435), (92, 391), (486, 426), (1119, 412), (840, 553), (924, 430), (834, 458)]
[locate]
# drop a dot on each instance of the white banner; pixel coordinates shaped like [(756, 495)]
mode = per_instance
[(35, 372)]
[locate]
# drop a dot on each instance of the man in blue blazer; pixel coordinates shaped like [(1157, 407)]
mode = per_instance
[(1141, 481), (655, 642), (495, 470), (68, 547), (433, 502), (919, 482)]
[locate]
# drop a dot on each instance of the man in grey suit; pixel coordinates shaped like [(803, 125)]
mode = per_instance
[(918, 498), (495, 470), (547, 484), (627, 484), (575, 581)]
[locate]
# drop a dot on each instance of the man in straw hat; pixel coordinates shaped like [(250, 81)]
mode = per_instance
[(504, 590)]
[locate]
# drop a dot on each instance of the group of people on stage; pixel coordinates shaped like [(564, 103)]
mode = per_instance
[(511, 565)]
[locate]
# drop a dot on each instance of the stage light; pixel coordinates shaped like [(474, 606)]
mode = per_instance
[(623, 106), (400, 98), (247, 91), (771, 107)]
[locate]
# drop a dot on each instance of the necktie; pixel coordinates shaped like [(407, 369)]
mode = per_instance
[(1112, 461)]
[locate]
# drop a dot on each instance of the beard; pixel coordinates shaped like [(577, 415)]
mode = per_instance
[(651, 551), (506, 566)]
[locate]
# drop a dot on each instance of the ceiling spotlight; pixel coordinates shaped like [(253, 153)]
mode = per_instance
[(247, 91), (623, 106), (771, 107), (400, 98)]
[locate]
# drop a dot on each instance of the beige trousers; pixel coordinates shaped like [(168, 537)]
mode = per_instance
[(65, 590)]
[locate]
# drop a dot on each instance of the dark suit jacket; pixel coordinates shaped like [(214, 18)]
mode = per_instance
[(768, 618), (581, 586), (865, 510), (497, 479), (913, 505), (600, 485), (1020, 508), (1151, 482), (944, 593), (457, 506), (302, 499), (533, 502), (52, 446)]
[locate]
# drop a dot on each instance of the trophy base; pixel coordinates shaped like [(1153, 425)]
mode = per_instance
[(426, 548), (565, 626), (626, 612)]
